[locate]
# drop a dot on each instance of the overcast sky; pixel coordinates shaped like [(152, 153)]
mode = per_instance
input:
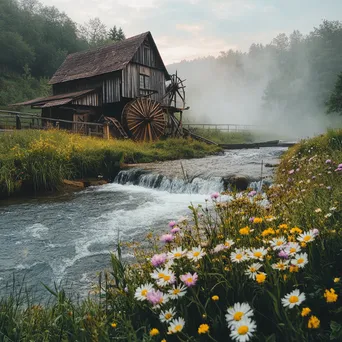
[(186, 29)]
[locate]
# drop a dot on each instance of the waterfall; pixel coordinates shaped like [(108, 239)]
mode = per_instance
[(176, 185)]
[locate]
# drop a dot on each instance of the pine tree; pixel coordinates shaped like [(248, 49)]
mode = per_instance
[(334, 103)]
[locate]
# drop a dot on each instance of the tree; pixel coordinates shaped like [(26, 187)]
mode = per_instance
[(94, 32), (334, 104), (116, 35)]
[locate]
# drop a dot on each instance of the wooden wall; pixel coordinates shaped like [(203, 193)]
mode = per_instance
[(109, 83), (93, 99), (131, 82), (147, 55)]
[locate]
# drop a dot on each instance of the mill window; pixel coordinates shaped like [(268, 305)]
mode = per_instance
[(144, 82)]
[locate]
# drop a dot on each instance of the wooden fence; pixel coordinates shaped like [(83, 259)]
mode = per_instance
[(222, 127), (10, 120)]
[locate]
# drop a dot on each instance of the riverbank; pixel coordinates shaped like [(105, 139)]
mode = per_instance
[(278, 254), (33, 161)]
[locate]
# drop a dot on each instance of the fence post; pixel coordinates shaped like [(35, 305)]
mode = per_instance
[(106, 130), (17, 122)]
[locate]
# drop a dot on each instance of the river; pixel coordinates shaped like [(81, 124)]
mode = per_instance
[(66, 239)]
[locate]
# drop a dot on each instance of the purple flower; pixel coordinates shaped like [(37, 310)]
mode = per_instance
[(252, 193), (339, 166), (167, 238), (313, 177), (158, 259), (291, 172), (155, 297), (339, 169), (172, 224), (315, 232), (215, 195), (283, 254), (175, 230), (251, 219), (329, 187), (328, 161)]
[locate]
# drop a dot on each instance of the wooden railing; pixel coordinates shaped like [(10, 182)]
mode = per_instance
[(11, 120), (222, 127)]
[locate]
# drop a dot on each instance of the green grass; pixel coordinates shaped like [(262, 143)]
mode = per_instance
[(39, 160), (225, 137)]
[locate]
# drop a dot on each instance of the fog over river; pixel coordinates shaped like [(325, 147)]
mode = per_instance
[(67, 238)]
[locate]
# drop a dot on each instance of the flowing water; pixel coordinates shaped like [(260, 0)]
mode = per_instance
[(67, 239)]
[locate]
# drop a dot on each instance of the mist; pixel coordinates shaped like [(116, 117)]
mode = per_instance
[(280, 87)]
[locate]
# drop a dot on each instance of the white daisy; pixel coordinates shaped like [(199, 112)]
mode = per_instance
[(167, 315), (229, 243), (176, 325), (242, 331), (300, 260), (142, 291), (278, 243), (292, 248), (176, 253), (238, 256), (219, 248), (307, 236), (257, 253), (292, 299), (177, 291), (237, 313), (252, 270), (281, 265), (163, 276), (196, 253)]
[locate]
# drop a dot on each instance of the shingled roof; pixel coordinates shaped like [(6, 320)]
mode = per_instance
[(99, 61)]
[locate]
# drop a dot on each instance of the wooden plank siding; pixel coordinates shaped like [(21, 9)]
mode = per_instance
[(110, 84), (130, 81), (111, 90), (92, 100)]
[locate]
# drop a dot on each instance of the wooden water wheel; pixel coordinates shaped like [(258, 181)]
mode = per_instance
[(144, 119)]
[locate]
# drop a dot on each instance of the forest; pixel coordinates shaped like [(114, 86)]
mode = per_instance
[(34, 41), (294, 76)]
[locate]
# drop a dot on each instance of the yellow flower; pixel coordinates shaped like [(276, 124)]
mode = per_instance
[(268, 231), (257, 220), (260, 277), (203, 329), (305, 312), (303, 244), (296, 230), (215, 298), (337, 280), (294, 269), (114, 325), (154, 332), (330, 296), (313, 322), (244, 231), (163, 340), (283, 226)]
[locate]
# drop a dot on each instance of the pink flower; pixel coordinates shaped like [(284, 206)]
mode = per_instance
[(283, 254), (251, 219), (172, 224), (252, 193), (166, 238), (175, 230), (215, 195), (155, 297), (158, 259), (189, 279), (328, 161), (315, 232), (291, 172)]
